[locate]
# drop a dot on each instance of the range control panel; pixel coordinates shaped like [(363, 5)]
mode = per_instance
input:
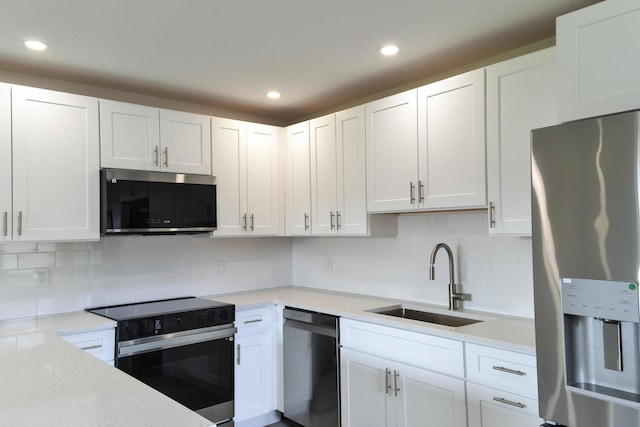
[(602, 299)]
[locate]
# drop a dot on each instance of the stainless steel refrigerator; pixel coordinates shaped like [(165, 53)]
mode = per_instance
[(586, 267)]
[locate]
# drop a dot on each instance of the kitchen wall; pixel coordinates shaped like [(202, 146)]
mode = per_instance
[(497, 271), (120, 269)]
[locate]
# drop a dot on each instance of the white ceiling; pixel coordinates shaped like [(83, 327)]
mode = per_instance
[(229, 53)]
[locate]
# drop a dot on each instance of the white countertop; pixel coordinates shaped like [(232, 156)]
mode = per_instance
[(45, 381), (510, 333)]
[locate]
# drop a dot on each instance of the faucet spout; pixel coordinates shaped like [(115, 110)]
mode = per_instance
[(454, 295)]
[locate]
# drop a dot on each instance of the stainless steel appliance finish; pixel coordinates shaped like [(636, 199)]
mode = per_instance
[(311, 375), (586, 266), (141, 202), (181, 347)]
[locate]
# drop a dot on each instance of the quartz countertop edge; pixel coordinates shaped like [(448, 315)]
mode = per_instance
[(48, 381), (501, 331)]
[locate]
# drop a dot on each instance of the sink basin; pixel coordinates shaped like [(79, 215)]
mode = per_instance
[(425, 316)]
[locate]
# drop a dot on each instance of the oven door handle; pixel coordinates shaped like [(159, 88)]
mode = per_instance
[(163, 343)]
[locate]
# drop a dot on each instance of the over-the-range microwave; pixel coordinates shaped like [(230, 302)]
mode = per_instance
[(140, 202)]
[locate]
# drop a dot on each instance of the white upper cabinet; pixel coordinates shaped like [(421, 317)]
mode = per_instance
[(185, 139), (6, 211), (246, 156), (521, 96), (352, 174), (597, 59), (324, 175), (426, 147), (298, 181), (145, 138), (338, 176), (55, 165), (451, 140), (392, 153)]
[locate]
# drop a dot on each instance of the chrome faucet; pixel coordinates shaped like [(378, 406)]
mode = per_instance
[(454, 295)]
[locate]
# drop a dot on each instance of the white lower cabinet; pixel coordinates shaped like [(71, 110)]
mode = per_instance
[(101, 344), (502, 387), (407, 386), (381, 392), (255, 385), (490, 407)]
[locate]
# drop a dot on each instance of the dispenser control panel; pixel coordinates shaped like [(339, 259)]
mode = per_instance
[(603, 299)]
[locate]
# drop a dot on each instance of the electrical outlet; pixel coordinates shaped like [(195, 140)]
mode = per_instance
[(218, 268), (41, 277)]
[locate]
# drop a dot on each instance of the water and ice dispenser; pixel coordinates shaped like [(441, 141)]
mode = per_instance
[(601, 339)]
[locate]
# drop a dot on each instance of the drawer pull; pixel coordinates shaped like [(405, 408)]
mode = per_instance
[(509, 371), (91, 347), (252, 321), (396, 374), (510, 402)]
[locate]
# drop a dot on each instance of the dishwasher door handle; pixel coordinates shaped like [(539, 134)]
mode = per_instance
[(311, 327)]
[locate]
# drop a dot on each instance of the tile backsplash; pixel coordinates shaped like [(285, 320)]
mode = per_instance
[(497, 271), (119, 269)]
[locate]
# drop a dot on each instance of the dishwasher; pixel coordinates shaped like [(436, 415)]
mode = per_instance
[(311, 373)]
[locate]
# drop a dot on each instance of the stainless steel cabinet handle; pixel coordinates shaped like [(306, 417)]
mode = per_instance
[(91, 347), (332, 217), (492, 215), (396, 374), (244, 222), (412, 197), (20, 223), (5, 224), (166, 156), (338, 225), (306, 221), (509, 371), (238, 352), (420, 192), (387, 382), (252, 321), (251, 222), (510, 402), (157, 158)]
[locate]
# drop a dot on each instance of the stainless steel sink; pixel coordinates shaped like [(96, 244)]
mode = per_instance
[(426, 316)]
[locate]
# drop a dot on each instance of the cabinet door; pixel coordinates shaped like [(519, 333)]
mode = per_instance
[(263, 189), (521, 96), (597, 61), (366, 397), (6, 212), (423, 395), (392, 153), (254, 379), (186, 142), (129, 136), (322, 136), (298, 181), (352, 174), (495, 408), (229, 145), (55, 165), (451, 139)]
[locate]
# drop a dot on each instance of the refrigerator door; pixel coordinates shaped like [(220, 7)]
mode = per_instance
[(586, 225)]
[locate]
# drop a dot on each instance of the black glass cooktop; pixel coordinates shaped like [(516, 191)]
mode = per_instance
[(156, 308)]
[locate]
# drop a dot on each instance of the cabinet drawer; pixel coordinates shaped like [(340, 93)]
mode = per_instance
[(413, 348), (504, 369), (489, 407), (101, 344), (253, 321)]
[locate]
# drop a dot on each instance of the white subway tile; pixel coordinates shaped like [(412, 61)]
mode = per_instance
[(72, 258), (8, 262), (17, 247), (36, 260), (18, 310), (54, 306)]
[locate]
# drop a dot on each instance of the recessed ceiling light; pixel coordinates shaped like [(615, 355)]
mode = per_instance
[(35, 44), (273, 94), (389, 50)]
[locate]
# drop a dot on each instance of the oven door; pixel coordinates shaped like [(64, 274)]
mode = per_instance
[(194, 368)]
